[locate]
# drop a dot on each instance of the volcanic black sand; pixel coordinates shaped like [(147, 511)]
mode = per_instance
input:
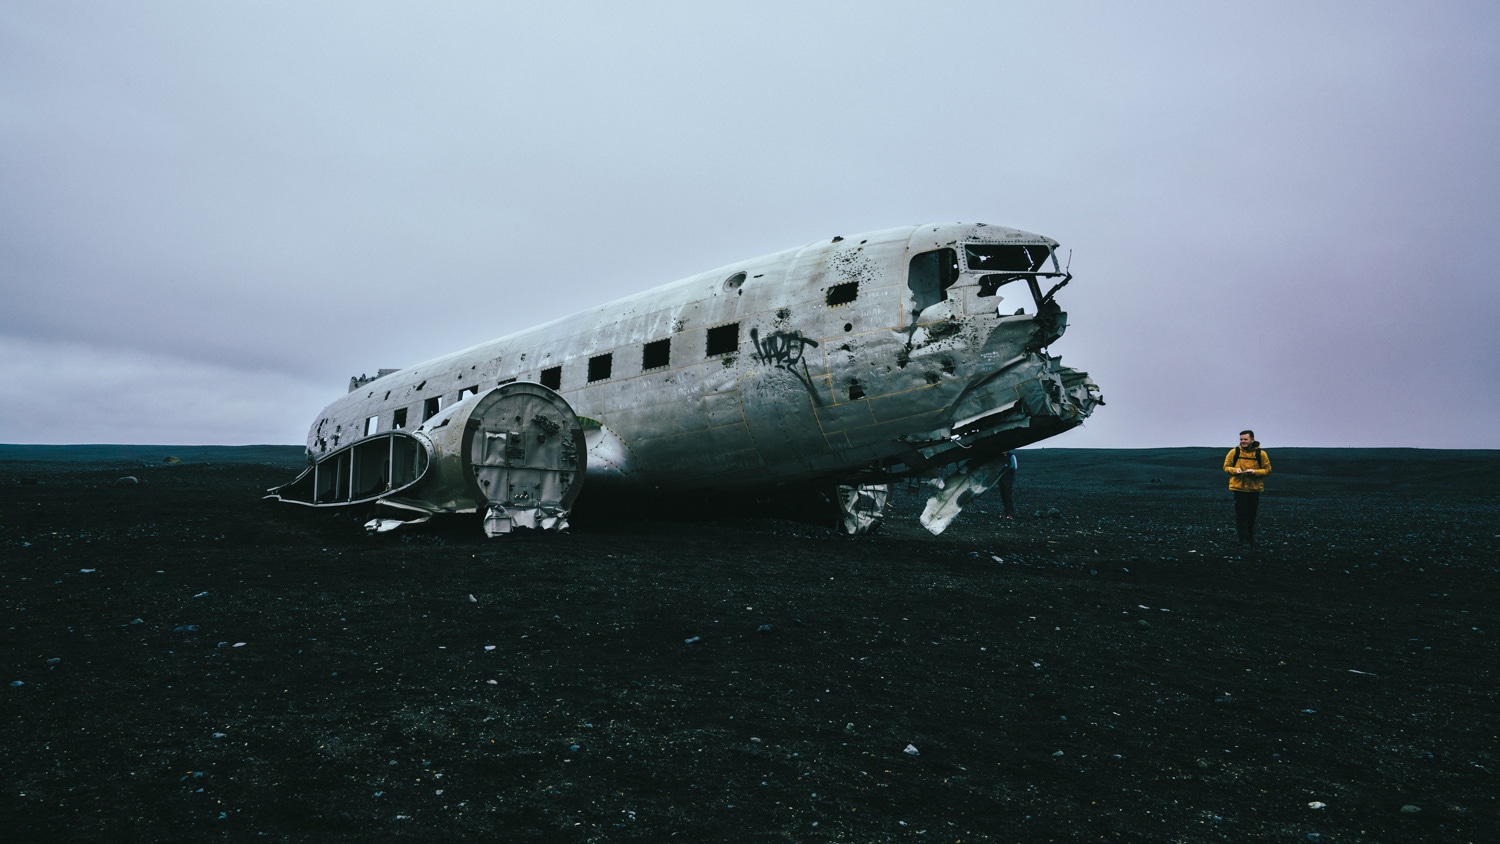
[(184, 661)]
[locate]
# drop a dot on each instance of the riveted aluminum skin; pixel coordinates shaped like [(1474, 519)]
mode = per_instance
[(857, 360)]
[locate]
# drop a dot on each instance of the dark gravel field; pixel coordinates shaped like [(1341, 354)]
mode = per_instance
[(182, 661)]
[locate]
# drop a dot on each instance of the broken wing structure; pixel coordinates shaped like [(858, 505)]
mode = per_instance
[(918, 352)]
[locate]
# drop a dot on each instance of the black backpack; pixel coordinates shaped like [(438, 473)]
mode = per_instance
[(1260, 459)]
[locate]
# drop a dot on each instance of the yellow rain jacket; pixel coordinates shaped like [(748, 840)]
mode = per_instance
[(1256, 460)]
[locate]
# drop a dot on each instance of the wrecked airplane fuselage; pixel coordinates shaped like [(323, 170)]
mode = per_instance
[(911, 352)]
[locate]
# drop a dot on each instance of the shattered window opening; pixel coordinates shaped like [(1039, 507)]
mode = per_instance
[(552, 378), (372, 425), (856, 391), (656, 355), (1006, 257), (1011, 289), (600, 366), (930, 275), (398, 421), (842, 294), (724, 340), (431, 407), (468, 391)]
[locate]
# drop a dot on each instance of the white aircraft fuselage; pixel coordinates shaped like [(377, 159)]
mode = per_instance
[(857, 360)]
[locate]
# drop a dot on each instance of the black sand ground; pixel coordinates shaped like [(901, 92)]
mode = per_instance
[(182, 661)]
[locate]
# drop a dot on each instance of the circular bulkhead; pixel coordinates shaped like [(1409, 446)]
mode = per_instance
[(524, 457)]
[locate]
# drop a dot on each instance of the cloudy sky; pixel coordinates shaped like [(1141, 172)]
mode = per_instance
[(211, 215)]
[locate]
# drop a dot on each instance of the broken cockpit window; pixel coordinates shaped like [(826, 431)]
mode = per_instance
[(1015, 291), (930, 275), (552, 378), (657, 354), (1007, 261), (1005, 257)]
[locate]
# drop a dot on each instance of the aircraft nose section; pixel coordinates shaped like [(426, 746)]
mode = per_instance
[(1035, 391)]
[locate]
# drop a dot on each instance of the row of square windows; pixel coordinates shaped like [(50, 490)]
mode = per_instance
[(657, 354), (723, 340)]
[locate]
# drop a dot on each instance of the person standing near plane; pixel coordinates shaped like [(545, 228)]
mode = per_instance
[(1246, 464)]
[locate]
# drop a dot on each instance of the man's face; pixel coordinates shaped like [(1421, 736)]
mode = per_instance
[(1245, 441)]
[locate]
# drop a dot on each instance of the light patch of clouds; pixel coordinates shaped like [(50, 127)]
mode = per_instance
[(1281, 216), (59, 393)]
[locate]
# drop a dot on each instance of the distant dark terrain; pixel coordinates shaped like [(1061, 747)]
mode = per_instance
[(182, 661)]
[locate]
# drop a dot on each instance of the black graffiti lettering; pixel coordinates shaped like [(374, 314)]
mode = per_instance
[(784, 350)]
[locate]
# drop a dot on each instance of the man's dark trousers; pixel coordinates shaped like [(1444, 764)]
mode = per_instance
[(1245, 506)]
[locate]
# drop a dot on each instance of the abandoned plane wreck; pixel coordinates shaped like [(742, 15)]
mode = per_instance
[(916, 352)]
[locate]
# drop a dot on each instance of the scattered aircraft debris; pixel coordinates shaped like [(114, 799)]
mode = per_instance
[(910, 353)]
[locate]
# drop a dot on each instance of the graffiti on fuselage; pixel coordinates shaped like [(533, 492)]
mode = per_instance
[(784, 350)]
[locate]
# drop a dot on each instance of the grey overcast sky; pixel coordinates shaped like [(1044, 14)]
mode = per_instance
[(1280, 215)]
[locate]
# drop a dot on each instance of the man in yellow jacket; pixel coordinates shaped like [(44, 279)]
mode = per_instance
[(1246, 465)]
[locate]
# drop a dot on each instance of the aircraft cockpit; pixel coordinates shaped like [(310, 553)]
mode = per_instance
[(1011, 266), (1014, 273)]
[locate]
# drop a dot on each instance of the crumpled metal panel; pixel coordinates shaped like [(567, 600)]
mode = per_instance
[(862, 507), (970, 481)]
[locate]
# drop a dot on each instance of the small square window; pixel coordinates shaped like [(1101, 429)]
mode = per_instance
[(656, 355), (552, 378), (399, 423), (600, 366), (724, 339), (842, 294), (372, 425), (431, 407)]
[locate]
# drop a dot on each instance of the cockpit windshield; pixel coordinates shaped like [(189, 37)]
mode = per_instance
[(1006, 257), (1008, 273), (1015, 294)]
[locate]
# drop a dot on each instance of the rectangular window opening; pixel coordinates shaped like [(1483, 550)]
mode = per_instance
[(600, 366), (929, 277), (552, 378), (1009, 291), (657, 354), (399, 422), (1006, 257), (843, 294), (467, 391), (724, 340), (372, 425), (431, 407)]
